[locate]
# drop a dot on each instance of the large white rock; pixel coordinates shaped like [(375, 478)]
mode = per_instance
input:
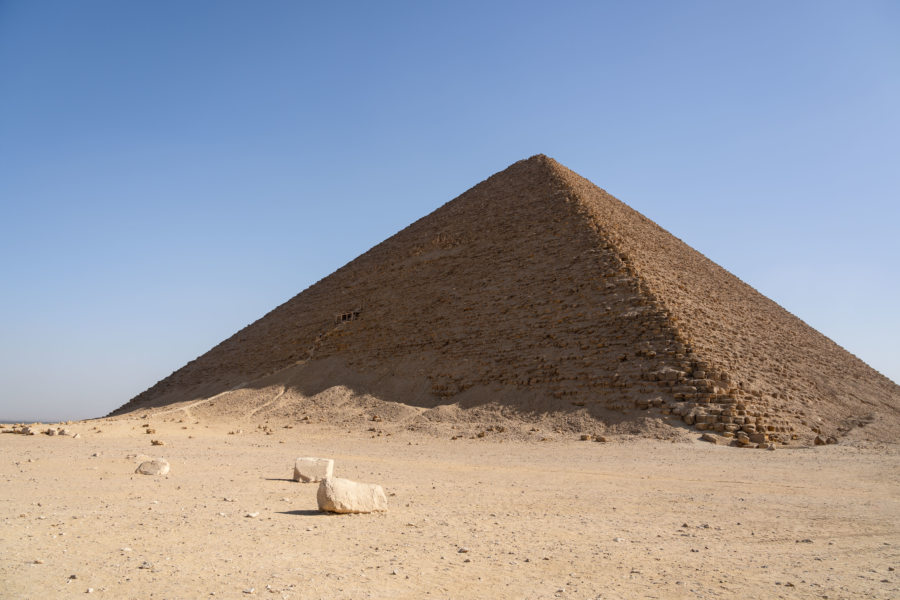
[(311, 470), (345, 496), (157, 466)]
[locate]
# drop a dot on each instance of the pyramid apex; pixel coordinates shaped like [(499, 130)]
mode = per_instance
[(542, 158), (542, 162)]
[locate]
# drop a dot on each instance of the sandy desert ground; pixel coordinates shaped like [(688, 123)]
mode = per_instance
[(469, 518)]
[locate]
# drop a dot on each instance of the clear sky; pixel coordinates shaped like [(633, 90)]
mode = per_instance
[(171, 171)]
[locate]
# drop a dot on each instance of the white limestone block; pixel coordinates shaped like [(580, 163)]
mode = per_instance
[(311, 470), (345, 496)]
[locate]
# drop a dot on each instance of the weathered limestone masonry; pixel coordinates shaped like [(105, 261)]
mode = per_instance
[(747, 369), (706, 400), (537, 281)]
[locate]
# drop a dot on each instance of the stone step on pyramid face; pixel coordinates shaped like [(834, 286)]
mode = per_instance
[(537, 281)]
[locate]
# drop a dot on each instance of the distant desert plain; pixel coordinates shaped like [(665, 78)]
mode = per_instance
[(505, 515)]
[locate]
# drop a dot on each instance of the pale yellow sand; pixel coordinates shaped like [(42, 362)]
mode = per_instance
[(555, 519)]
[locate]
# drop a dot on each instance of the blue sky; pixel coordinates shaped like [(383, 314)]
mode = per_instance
[(171, 171)]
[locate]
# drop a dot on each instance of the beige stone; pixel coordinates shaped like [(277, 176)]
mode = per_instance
[(345, 496), (311, 470), (759, 438), (157, 466)]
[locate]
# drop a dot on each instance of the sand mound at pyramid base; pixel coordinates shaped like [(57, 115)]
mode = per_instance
[(327, 392)]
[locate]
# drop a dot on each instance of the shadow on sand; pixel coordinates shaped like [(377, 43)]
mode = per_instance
[(304, 513)]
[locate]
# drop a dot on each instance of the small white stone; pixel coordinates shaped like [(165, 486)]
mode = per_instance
[(157, 466)]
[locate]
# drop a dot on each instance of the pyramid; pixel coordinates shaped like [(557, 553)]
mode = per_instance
[(536, 293)]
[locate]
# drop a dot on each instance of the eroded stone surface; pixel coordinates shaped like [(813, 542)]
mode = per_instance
[(345, 496), (157, 466), (311, 470)]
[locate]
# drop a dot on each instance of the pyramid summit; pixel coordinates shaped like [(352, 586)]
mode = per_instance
[(536, 295)]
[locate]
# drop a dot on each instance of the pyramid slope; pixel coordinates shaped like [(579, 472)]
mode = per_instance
[(537, 280), (769, 356)]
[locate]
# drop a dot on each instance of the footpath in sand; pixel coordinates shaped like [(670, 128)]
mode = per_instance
[(470, 518)]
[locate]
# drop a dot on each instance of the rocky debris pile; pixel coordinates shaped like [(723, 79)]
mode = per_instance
[(313, 470), (157, 466), (58, 431), (22, 430), (709, 401), (34, 429), (344, 496), (822, 440)]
